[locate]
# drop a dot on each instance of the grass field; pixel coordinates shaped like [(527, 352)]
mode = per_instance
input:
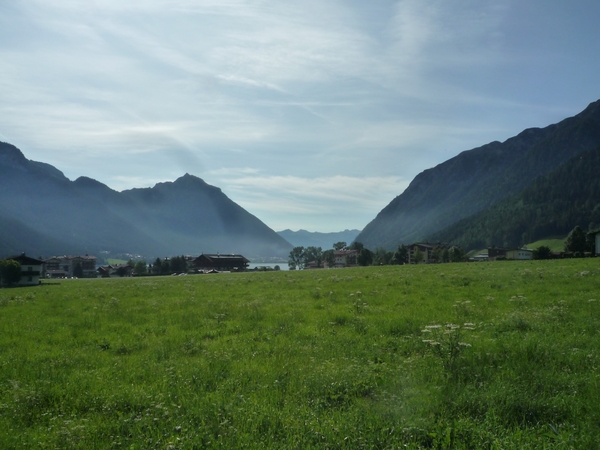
[(556, 245), (484, 355), (116, 261)]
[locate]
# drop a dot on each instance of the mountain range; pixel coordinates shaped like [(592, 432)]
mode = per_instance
[(538, 184), (503, 194), (44, 213)]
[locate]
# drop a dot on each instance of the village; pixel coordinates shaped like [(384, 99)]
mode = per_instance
[(30, 271)]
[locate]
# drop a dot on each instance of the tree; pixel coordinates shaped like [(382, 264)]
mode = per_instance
[(365, 257), (157, 267), (329, 257), (339, 245), (313, 254), (590, 241), (178, 264), (456, 254), (542, 252), (576, 241), (445, 255), (357, 246), (78, 270), (296, 258), (381, 257), (165, 267), (436, 255), (140, 268), (10, 271), (418, 256), (401, 255)]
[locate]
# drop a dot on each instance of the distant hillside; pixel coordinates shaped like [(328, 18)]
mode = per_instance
[(552, 205), (477, 179), (16, 238), (42, 211), (303, 238)]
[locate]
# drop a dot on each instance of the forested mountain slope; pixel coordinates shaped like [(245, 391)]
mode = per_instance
[(552, 205), (476, 179)]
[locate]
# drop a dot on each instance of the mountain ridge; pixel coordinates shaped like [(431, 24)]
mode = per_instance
[(476, 179), (186, 216)]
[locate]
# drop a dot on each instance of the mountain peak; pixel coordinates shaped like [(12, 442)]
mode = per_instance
[(188, 181), (186, 216), (90, 183), (11, 155)]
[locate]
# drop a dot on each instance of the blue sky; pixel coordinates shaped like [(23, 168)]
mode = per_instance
[(309, 114)]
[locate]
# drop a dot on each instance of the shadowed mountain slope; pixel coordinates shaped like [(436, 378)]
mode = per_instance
[(41, 207), (550, 206), (476, 179)]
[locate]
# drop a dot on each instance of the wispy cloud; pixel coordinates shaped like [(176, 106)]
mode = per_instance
[(278, 200), (309, 93)]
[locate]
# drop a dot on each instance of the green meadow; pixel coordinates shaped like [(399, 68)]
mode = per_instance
[(556, 245), (499, 355)]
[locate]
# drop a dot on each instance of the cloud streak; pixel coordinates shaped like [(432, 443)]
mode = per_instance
[(308, 200), (305, 93)]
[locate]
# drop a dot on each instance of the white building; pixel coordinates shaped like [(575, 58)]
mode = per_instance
[(519, 253), (345, 258), (64, 266)]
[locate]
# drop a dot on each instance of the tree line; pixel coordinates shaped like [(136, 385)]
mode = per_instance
[(301, 257), (166, 266)]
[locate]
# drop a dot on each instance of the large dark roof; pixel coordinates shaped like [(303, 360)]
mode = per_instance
[(26, 260), (220, 259)]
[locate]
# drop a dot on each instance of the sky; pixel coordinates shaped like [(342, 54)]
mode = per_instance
[(310, 114)]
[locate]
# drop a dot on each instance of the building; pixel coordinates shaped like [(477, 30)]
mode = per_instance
[(67, 266), (496, 252), (220, 263), (519, 253), (115, 270), (345, 258), (596, 235), (31, 269), (429, 253)]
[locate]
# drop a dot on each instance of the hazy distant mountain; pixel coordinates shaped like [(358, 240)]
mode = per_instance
[(303, 238), (477, 179), (46, 213)]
